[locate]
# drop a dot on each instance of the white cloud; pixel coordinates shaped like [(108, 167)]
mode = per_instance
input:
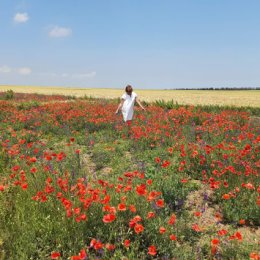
[(58, 31), (21, 18), (65, 75), (47, 74), (84, 75), (5, 69), (24, 71)]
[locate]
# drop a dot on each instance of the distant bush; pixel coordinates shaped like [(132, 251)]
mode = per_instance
[(8, 95), (28, 105)]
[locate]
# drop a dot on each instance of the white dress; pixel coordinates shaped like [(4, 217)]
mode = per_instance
[(128, 106)]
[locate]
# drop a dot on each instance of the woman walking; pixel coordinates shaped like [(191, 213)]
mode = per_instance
[(127, 103)]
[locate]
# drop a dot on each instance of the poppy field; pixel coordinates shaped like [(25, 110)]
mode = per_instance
[(180, 183)]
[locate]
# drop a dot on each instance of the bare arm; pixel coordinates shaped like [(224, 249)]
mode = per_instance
[(139, 103), (120, 105)]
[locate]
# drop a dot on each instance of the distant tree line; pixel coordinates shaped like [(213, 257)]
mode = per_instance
[(223, 88)]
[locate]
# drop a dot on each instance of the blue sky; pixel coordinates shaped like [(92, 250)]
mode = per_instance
[(150, 44)]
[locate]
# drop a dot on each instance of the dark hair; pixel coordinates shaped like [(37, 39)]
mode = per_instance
[(128, 89)]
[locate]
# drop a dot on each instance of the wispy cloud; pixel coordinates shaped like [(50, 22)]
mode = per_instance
[(68, 75), (84, 75), (58, 32), (24, 71), (21, 18), (47, 74), (5, 69)]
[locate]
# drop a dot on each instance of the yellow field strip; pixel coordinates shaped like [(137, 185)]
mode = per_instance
[(193, 97)]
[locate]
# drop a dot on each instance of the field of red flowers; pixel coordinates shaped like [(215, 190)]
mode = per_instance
[(77, 183)]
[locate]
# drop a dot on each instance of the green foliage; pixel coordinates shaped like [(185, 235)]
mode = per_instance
[(28, 105), (171, 104), (62, 144), (9, 95)]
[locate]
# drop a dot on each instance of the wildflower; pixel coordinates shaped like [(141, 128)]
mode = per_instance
[(110, 247), (127, 243), (213, 250), (121, 207), (215, 241), (238, 236), (160, 203), (150, 215), (152, 195), (226, 196), (197, 214), (196, 228), (254, 256), (76, 211), (218, 217), (33, 159), (222, 232), (152, 250), (165, 164), (82, 255), (55, 255), (98, 245), (157, 160), (173, 237), (149, 182), (138, 228), (33, 170), (109, 218), (242, 222), (132, 208), (83, 217), (141, 189), (172, 219), (162, 230)]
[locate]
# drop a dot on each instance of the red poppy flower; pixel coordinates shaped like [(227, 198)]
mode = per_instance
[(197, 214), (162, 230), (242, 222), (132, 208), (157, 160), (213, 250), (141, 189), (222, 232), (110, 247), (127, 243), (121, 207), (173, 237), (109, 218), (215, 241), (149, 182), (226, 196), (172, 219), (150, 215), (55, 255), (138, 228), (152, 250), (160, 203), (196, 228), (238, 236)]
